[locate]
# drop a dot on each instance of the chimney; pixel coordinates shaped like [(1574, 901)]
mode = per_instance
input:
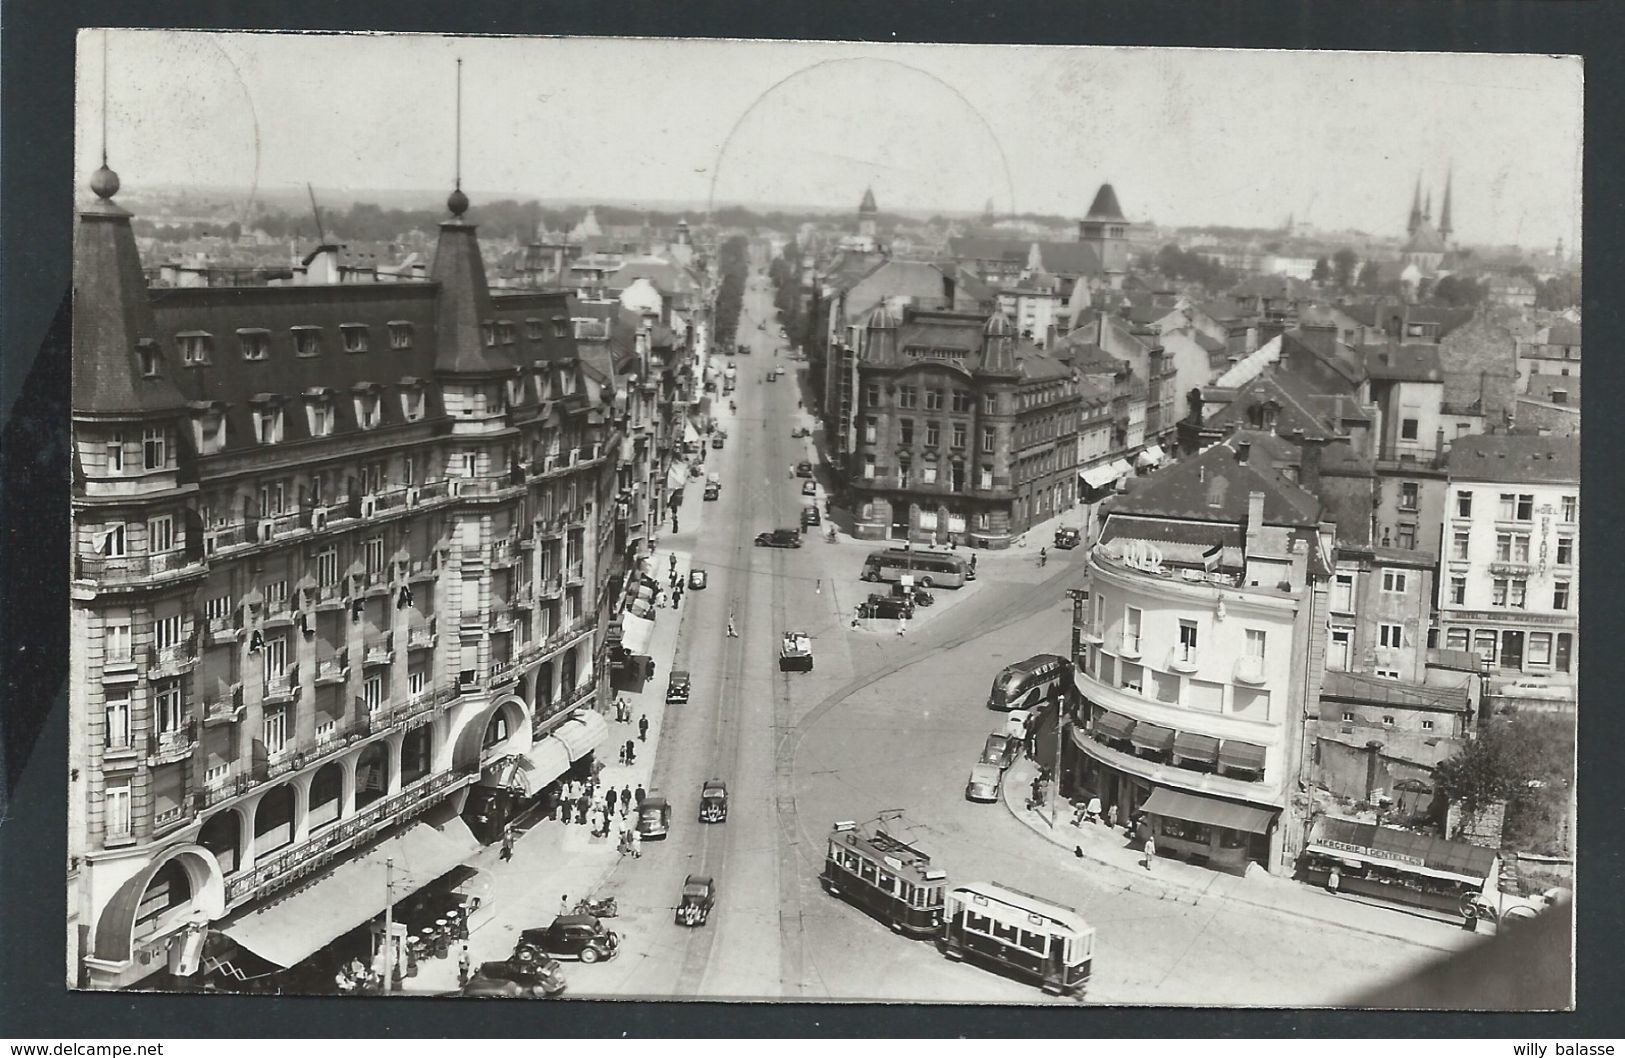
[(1243, 450), (1255, 520), (948, 290)]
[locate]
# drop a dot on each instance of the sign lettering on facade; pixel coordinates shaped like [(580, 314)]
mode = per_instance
[(1376, 854)]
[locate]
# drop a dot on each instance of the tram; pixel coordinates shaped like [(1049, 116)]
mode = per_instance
[(887, 877)]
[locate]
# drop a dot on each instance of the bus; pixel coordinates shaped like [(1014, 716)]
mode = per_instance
[(1032, 683), (887, 877), (1046, 943), (929, 568)]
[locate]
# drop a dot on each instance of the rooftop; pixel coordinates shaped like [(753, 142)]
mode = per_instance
[(1515, 458)]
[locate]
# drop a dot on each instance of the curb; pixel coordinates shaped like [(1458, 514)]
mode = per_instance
[(1169, 883)]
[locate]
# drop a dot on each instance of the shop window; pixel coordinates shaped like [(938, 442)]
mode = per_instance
[(1540, 649), (1485, 644), (1184, 830), (1456, 639), (1565, 651)]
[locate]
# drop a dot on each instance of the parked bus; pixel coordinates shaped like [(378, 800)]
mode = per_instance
[(1026, 935), (930, 569), (892, 880), (1031, 684)]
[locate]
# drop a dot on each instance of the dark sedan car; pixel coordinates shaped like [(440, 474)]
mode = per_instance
[(779, 538), (888, 607), (1001, 751), (569, 937), (695, 902), (803, 469), (516, 980)]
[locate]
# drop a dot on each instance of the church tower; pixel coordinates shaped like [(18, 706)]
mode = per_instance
[(1444, 214), (866, 214), (1106, 230)]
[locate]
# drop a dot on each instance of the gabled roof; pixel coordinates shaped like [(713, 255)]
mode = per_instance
[(868, 203), (1563, 333), (1295, 410), (1272, 286), (1066, 259), (1541, 387), (1416, 362), (1213, 486), (1515, 458), (1358, 687)]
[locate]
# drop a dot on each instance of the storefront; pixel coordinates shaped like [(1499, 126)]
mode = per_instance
[(1420, 871), (1209, 831)]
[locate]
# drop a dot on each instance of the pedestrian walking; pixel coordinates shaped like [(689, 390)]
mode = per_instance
[(626, 800), (818, 588), (631, 752), (677, 597), (637, 844), (583, 806), (902, 625), (637, 798), (564, 810), (733, 633), (643, 728), (973, 565), (1150, 850), (464, 963), (610, 797), (623, 756), (507, 843), (1043, 555)]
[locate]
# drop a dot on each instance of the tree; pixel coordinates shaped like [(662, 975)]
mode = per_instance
[(1458, 292), (1493, 767), (1322, 273), (1344, 266)]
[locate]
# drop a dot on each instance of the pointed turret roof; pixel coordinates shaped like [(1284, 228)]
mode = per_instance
[(999, 345), (1416, 208), (868, 203), (1105, 206), (1444, 214), (112, 313), (465, 298)]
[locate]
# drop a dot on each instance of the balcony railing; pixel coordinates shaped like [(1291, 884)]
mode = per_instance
[(163, 747), (420, 704), (137, 567), (550, 587), (170, 659), (281, 689), (220, 789), (421, 637), (505, 552), (379, 648), (472, 555), (317, 852), (221, 630), (1427, 457), (329, 595), (576, 574), (226, 708), (490, 484), (333, 668)]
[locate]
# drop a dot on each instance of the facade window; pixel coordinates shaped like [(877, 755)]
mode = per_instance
[(963, 401), (987, 438), (1464, 504), (533, 330), (561, 328), (160, 534), (868, 468), (416, 681), (117, 643), (990, 404), (1565, 651), (903, 476), (1458, 546), (1526, 507), (1427, 725), (1348, 717), (255, 344), (1131, 628), (1393, 581), (369, 411), (1560, 595), (1409, 494), (933, 433), (1187, 640), (116, 804), (1506, 507), (307, 341), (167, 707), (959, 435), (1571, 509), (1518, 594), (1458, 591), (115, 454), (355, 337), (148, 357), (194, 347), (1457, 639), (1407, 429), (933, 400), (272, 498), (118, 723), (907, 397), (905, 431), (1405, 537), (268, 425), (928, 476), (400, 335), (1485, 644), (1498, 591), (871, 395), (488, 331), (984, 480), (154, 448), (870, 429), (1387, 720), (276, 729), (327, 567), (1540, 648), (321, 418), (372, 692), (372, 551), (1343, 593), (166, 631), (1391, 636), (1565, 551)]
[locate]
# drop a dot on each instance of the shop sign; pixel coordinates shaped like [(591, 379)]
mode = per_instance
[(1395, 857)]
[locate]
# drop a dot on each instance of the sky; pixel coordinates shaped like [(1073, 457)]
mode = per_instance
[(1186, 136)]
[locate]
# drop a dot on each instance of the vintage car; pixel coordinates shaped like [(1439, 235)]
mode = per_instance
[(713, 491), (744, 350), (795, 653), (782, 333), (800, 431), (654, 817), (809, 488), (1001, 750), (918, 596), (695, 902), (779, 538), (887, 607), (696, 579), (677, 687), (983, 784), (569, 937), (803, 469), (1019, 723), (713, 801), (810, 516), (511, 979), (1066, 539), (716, 440)]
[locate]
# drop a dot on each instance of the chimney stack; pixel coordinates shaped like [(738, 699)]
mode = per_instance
[(1243, 450), (1255, 521)]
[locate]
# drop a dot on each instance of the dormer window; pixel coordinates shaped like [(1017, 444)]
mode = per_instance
[(412, 404), (115, 454), (209, 430), (489, 332), (400, 334), (561, 327), (505, 332), (268, 423), (533, 329), (307, 341), (320, 413), (355, 337), (369, 406), (255, 343), (147, 357), (195, 347)]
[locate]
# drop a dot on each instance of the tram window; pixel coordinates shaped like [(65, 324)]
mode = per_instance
[(1005, 932), (888, 883), (978, 923), (1034, 942), (867, 872), (936, 896), (906, 890)]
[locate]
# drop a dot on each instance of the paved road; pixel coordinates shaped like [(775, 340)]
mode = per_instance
[(892, 723)]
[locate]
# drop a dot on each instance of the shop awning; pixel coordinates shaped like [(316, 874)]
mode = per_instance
[(636, 633), (529, 772), (1121, 468), (1401, 849), (1194, 808), (1099, 477), (1233, 754), (1151, 456), (691, 433), (1113, 725), (677, 475), (1152, 736), (582, 733), (1196, 747), (296, 925)]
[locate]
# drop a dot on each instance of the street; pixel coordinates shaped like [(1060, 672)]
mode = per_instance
[(889, 723)]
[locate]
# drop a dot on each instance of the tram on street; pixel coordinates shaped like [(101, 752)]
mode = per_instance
[(889, 878), (929, 568), (1024, 935)]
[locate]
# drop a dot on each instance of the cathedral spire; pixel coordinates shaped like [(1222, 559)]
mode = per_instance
[(1416, 208), (1444, 213)]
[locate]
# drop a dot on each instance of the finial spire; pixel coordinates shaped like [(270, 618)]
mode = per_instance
[(104, 182), (457, 202)]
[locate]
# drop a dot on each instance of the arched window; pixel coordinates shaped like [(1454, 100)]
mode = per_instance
[(371, 775), (273, 820), (170, 887), (222, 835), (415, 749), (326, 796)]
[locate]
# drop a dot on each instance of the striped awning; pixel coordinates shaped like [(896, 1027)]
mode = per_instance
[(1113, 725), (1233, 754), (1196, 747), (1099, 477), (1152, 736)]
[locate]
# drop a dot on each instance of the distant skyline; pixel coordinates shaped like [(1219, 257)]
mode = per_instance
[(1187, 137)]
